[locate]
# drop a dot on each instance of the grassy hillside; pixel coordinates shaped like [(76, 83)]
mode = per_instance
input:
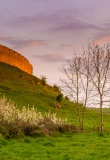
[(26, 89)]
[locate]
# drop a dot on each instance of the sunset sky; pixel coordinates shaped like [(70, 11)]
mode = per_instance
[(47, 32)]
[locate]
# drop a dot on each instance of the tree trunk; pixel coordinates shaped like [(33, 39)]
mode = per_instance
[(83, 117), (79, 116), (101, 115)]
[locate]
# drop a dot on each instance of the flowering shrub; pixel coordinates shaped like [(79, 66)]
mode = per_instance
[(28, 121)]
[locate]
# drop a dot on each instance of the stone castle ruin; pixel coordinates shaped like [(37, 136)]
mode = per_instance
[(13, 58)]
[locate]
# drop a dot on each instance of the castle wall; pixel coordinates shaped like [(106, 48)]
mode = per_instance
[(13, 58)]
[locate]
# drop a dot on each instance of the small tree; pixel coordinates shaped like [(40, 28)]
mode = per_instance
[(66, 97), (56, 88), (72, 83), (43, 79), (99, 75), (59, 97), (88, 75)]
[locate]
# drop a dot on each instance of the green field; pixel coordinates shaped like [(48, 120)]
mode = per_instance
[(28, 90), (92, 146)]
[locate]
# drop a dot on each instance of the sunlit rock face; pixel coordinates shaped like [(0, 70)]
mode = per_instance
[(13, 58)]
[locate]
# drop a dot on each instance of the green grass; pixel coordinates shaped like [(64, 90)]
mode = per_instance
[(92, 146), (27, 90), (24, 89)]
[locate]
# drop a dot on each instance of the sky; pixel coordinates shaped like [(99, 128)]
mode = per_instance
[(48, 32)]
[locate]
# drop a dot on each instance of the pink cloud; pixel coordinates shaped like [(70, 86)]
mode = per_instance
[(21, 43), (55, 57), (36, 43), (67, 46), (103, 39)]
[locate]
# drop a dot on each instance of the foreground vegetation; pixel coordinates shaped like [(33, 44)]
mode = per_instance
[(92, 146), (28, 122), (27, 90)]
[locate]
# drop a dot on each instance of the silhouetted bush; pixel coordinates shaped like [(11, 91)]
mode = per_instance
[(43, 80), (59, 97), (56, 88), (66, 97)]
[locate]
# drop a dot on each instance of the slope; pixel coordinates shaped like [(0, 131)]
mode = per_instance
[(27, 90)]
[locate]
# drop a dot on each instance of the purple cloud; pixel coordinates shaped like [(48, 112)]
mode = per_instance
[(32, 21), (21, 43), (67, 46), (102, 36), (75, 24), (56, 57), (64, 20)]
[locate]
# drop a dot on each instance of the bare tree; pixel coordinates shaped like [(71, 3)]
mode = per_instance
[(87, 76), (87, 87), (76, 84), (99, 75)]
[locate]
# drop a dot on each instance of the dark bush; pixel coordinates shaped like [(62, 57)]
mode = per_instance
[(28, 129), (3, 130), (59, 97), (43, 80), (56, 88), (46, 127), (66, 97), (68, 128)]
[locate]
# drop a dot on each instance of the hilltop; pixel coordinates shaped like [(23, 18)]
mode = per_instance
[(27, 90), (24, 88)]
